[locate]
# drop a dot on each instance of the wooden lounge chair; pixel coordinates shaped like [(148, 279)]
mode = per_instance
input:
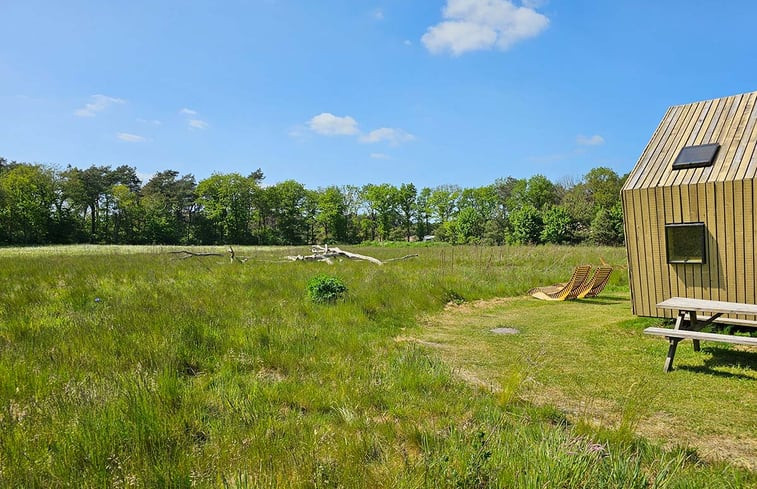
[(560, 292), (597, 283)]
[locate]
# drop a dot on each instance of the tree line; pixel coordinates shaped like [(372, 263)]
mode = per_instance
[(42, 204)]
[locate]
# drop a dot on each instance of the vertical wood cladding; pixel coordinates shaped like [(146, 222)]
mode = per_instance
[(722, 196)]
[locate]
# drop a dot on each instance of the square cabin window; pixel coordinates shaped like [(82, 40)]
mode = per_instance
[(685, 242)]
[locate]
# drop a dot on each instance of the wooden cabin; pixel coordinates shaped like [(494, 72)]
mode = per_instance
[(689, 206)]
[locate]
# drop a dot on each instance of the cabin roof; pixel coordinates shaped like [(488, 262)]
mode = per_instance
[(728, 121)]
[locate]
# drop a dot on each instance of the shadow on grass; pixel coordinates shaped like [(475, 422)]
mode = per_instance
[(607, 301), (723, 357)]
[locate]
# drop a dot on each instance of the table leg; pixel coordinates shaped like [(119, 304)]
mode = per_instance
[(680, 319), (671, 354), (693, 327)]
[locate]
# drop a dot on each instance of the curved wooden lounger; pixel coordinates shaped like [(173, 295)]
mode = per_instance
[(562, 292), (597, 283)]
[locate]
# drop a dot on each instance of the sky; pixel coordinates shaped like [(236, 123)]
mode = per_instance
[(334, 92)]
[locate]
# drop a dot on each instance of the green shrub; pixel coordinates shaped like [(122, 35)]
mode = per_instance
[(558, 225), (325, 288), (525, 226), (607, 226)]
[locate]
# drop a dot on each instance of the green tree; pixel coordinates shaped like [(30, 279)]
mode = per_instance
[(406, 197), (331, 213), (353, 201), (607, 226), (469, 226), (558, 226), (537, 192), (443, 201), (447, 232), (171, 206), (381, 201), (227, 201), (603, 185), (483, 200), (616, 216), (84, 189), (495, 230), (128, 215), (26, 198), (504, 188), (525, 226), (578, 202), (424, 212), (282, 211), (122, 175), (310, 213)]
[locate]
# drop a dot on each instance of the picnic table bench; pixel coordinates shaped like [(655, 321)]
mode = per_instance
[(688, 323)]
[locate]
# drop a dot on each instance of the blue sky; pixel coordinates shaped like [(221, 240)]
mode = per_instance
[(354, 92)]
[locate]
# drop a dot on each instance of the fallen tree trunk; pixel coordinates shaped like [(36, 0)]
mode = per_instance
[(406, 257), (320, 253), (190, 254), (324, 253)]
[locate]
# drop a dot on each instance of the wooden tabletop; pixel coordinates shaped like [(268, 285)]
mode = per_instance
[(701, 305)]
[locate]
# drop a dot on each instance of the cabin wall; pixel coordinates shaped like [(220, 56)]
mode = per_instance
[(726, 208)]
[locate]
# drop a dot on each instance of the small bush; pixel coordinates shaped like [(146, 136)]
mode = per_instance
[(325, 288), (450, 296)]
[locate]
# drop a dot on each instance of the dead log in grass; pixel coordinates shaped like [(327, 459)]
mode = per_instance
[(189, 254), (326, 254)]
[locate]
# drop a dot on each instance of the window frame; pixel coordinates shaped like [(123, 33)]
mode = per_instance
[(700, 225), (699, 163)]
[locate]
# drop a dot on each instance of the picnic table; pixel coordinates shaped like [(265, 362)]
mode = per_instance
[(689, 323)]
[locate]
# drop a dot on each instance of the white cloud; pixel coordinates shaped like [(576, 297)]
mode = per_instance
[(388, 134), (407, 42), (594, 140), (473, 25), (380, 156), (193, 122), (328, 124), (378, 14), (130, 138), (97, 103), (197, 124)]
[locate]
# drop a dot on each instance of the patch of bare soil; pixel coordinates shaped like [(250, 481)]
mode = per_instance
[(476, 305)]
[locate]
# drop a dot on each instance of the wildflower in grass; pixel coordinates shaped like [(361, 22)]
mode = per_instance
[(597, 448)]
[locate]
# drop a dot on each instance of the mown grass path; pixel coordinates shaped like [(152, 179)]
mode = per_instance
[(591, 359)]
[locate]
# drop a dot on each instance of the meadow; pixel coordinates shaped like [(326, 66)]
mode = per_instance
[(129, 367)]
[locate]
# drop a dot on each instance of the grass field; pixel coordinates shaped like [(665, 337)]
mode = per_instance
[(127, 367)]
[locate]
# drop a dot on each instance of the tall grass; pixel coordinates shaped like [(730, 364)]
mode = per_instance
[(142, 370)]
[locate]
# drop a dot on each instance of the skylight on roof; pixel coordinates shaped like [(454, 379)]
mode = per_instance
[(696, 156)]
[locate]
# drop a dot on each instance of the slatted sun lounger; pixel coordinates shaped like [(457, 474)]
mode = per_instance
[(597, 284), (562, 292)]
